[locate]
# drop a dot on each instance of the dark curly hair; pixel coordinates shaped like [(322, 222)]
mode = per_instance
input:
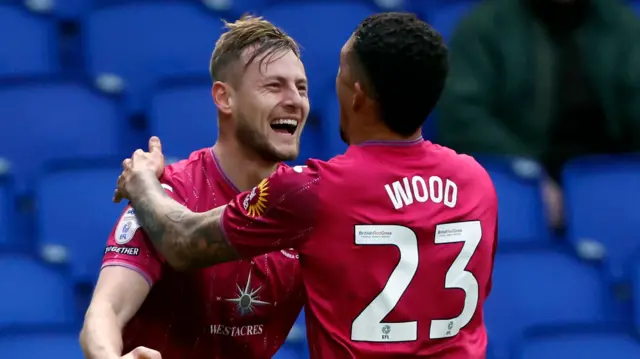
[(402, 63)]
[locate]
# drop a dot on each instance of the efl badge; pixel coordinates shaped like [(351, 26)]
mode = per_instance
[(127, 227)]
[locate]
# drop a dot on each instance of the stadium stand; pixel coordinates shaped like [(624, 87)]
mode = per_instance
[(61, 139), (34, 49), (68, 233), (188, 100), (597, 212)]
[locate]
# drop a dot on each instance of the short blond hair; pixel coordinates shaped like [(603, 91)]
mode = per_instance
[(248, 31)]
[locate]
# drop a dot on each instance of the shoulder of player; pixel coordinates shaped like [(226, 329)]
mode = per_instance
[(476, 175), (467, 167), (177, 175)]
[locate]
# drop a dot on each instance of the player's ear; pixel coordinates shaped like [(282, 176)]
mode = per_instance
[(222, 97), (359, 97)]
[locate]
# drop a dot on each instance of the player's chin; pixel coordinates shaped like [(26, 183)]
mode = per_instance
[(286, 153)]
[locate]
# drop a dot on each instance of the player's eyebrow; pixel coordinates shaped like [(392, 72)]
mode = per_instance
[(283, 79)]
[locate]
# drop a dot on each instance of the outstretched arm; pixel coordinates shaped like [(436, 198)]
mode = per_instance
[(279, 213), (186, 239)]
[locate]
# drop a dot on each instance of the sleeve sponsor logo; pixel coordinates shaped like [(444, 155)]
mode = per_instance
[(127, 227), (255, 203), (129, 251)]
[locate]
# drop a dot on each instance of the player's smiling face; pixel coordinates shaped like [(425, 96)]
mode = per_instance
[(271, 106)]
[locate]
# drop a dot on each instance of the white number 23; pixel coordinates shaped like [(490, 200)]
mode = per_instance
[(368, 325)]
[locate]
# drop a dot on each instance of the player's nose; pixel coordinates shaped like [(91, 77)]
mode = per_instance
[(293, 99)]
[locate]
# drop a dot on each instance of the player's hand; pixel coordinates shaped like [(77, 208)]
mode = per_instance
[(143, 353), (140, 162)]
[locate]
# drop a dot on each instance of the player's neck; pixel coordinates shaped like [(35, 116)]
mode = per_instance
[(378, 134), (243, 171)]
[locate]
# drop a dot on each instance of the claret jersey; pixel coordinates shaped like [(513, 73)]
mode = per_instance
[(241, 309)]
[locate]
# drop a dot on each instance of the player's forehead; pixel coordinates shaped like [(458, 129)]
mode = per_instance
[(346, 49), (344, 56), (281, 64)]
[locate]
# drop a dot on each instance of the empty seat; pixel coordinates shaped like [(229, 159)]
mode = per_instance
[(330, 127), (33, 49), (40, 343), (6, 209), (75, 229), (444, 16), (33, 293), (140, 43), (520, 209), (44, 120), (601, 199), (288, 351), (184, 116), (540, 287), (636, 292), (581, 346), (311, 145), (72, 9), (320, 48)]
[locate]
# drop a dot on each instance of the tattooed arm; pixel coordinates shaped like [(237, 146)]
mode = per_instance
[(186, 239), (279, 213)]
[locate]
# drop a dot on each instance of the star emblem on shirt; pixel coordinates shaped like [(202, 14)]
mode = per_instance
[(247, 298)]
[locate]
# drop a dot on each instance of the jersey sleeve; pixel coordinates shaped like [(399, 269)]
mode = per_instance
[(129, 246), (277, 214)]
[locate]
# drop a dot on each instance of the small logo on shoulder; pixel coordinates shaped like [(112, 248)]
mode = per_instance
[(255, 203), (127, 227)]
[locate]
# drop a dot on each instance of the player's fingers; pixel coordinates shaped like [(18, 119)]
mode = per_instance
[(155, 145), (126, 164), (139, 152), (117, 196), (145, 353)]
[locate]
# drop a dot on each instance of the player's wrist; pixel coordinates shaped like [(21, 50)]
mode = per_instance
[(140, 182)]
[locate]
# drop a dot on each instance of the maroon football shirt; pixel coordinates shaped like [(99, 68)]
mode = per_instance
[(242, 309), (396, 243)]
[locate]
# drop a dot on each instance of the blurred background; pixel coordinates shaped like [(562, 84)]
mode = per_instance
[(545, 94)]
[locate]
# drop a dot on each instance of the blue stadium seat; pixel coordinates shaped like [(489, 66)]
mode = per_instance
[(636, 292), (6, 209), (540, 287), (311, 145), (184, 116), (33, 293), (321, 28), (76, 216), (289, 352), (520, 210), (143, 42), (601, 199), (72, 9), (444, 16), (331, 127), (48, 120), (33, 49), (51, 343), (581, 346)]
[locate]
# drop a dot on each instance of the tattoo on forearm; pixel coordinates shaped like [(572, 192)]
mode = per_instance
[(185, 239)]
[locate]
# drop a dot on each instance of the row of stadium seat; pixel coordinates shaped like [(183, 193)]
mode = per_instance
[(543, 290), (188, 31), (49, 121), (62, 343), (600, 192)]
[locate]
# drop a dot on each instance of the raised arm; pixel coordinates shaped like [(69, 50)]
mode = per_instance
[(186, 239), (277, 214)]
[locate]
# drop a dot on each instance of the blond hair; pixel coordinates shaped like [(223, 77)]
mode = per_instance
[(248, 32)]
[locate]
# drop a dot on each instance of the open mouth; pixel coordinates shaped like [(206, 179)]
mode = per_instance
[(285, 125)]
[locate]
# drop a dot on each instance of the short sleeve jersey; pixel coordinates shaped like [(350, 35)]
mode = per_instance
[(396, 241), (241, 309)]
